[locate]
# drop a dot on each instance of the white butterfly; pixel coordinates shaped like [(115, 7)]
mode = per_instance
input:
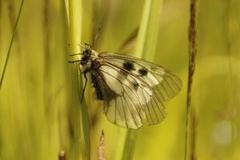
[(133, 90)]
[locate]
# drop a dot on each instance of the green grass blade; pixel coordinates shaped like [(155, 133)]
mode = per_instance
[(145, 48), (148, 32), (10, 46)]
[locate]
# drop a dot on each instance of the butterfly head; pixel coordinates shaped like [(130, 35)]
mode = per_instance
[(86, 55)]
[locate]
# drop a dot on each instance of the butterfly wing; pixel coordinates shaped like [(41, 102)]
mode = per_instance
[(134, 90)]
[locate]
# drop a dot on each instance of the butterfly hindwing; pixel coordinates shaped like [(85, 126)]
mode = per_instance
[(124, 109)]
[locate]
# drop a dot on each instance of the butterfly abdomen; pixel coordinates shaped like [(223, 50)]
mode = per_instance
[(96, 85), (102, 90)]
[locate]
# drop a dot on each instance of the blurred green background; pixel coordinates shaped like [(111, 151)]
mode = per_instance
[(36, 119)]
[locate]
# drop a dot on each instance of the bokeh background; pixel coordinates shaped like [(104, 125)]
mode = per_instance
[(36, 118)]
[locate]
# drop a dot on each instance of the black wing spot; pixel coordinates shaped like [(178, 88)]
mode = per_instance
[(136, 86), (142, 72), (128, 66)]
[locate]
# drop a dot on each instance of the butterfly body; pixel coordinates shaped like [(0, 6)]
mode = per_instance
[(133, 90)]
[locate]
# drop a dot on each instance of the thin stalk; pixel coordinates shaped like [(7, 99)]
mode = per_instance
[(189, 135)]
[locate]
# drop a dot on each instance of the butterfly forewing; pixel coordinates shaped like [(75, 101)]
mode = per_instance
[(133, 90)]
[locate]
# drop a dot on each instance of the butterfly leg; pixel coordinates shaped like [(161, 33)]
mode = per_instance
[(85, 77)]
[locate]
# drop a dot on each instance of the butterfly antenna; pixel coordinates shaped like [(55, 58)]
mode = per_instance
[(96, 36)]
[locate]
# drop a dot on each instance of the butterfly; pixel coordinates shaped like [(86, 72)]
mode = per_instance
[(133, 90)]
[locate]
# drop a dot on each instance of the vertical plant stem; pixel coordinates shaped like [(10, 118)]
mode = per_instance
[(75, 38), (148, 31), (81, 147), (231, 50), (145, 48), (189, 136)]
